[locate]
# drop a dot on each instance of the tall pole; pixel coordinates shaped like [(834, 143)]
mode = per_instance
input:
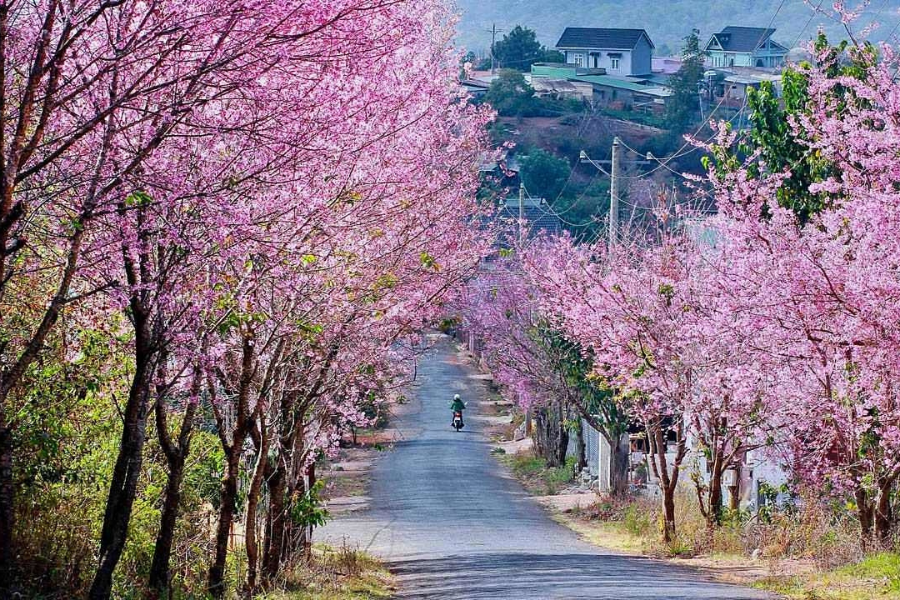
[(700, 98), (521, 209), (528, 422), (493, 41), (614, 194)]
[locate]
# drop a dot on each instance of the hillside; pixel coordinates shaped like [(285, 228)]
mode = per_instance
[(667, 21)]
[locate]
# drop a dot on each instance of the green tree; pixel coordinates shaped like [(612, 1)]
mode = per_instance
[(544, 174), (520, 49), (683, 106), (511, 96), (773, 137), (592, 400)]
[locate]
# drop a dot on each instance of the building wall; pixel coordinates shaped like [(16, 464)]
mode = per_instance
[(604, 62), (720, 58), (642, 58), (591, 448), (770, 59), (757, 468), (606, 96)]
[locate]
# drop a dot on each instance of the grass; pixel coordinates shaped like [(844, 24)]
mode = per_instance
[(876, 577), (336, 574), (610, 534), (536, 476), (794, 570)]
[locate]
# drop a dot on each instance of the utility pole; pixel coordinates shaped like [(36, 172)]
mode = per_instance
[(521, 209), (614, 194), (614, 177), (493, 41), (528, 417), (700, 98)]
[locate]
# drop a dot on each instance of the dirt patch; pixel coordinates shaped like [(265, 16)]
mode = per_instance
[(346, 478), (347, 474), (566, 502), (525, 445), (747, 571), (571, 125)]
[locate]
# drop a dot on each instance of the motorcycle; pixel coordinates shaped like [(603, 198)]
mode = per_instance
[(458, 420)]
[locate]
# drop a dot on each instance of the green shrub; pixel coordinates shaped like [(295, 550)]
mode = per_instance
[(637, 520)]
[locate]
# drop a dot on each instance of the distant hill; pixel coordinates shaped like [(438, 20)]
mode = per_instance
[(667, 21)]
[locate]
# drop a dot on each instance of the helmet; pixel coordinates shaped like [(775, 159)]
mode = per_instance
[(456, 396)]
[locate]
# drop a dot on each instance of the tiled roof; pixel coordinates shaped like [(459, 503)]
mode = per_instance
[(742, 39), (601, 38), (538, 218)]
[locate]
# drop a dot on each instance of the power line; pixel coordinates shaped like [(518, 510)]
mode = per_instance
[(810, 20), (552, 213), (664, 162)]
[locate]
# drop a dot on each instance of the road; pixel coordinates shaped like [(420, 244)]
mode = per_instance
[(451, 525)]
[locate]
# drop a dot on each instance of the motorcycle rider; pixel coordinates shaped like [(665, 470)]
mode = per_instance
[(457, 405)]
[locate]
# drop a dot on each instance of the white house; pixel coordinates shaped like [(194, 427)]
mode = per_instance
[(757, 469), (622, 52), (745, 47)]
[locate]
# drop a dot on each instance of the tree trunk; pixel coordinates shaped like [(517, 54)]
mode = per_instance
[(563, 432), (295, 532), (734, 491), (620, 452), (669, 514), (7, 509), (162, 551), (666, 474), (251, 543), (883, 517), (580, 448), (233, 450), (176, 457), (275, 524), (866, 516), (127, 470), (657, 444), (311, 484), (227, 508), (714, 508), (550, 436)]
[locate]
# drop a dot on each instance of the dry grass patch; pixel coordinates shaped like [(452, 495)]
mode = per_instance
[(533, 472), (335, 574)]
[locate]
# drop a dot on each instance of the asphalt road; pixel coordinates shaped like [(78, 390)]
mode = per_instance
[(451, 525)]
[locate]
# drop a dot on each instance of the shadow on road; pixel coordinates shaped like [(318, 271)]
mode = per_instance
[(526, 576)]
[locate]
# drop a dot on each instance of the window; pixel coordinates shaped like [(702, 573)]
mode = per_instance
[(614, 64), (579, 60)]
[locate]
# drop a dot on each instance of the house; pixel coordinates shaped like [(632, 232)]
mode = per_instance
[(474, 87), (561, 89), (537, 214), (619, 93), (757, 475), (622, 52), (745, 47), (666, 65), (594, 84), (731, 88)]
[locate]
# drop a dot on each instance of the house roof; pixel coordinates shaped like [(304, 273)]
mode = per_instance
[(625, 84), (741, 39), (561, 71), (602, 38), (537, 215)]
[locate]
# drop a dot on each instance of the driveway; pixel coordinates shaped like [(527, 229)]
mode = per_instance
[(451, 525)]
